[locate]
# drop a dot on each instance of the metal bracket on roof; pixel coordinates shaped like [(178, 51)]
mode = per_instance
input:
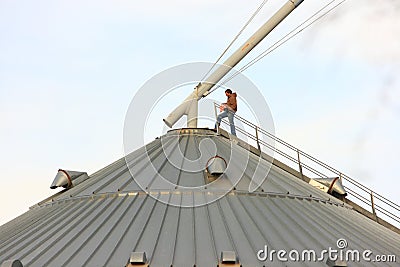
[(12, 263), (137, 259), (229, 258), (336, 263)]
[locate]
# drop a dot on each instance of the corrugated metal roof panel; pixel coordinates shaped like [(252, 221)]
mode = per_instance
[(101, 221), (107, 230)]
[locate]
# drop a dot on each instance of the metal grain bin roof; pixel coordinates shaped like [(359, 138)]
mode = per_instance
[(102, 220)]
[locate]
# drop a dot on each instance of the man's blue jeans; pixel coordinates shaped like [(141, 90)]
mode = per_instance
[(229, 114)]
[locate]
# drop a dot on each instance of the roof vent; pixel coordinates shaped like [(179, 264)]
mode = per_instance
[(12, 263), (228, 257), (216, 165), (336, 263), (329, 185), (138, 258), (68, 179)]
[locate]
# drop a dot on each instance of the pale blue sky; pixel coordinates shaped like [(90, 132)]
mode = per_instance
[(68, 70)]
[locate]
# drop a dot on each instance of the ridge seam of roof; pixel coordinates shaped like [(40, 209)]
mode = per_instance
[(165, 192)]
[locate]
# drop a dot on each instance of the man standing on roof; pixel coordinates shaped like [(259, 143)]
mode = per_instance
[(228, 110)]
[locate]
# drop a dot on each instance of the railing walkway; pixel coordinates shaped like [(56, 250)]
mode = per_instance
[(357, 193)]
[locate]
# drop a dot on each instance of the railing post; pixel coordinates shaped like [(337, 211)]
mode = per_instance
[(258, 142), (373, 206), (300, 168), (216, 115), (215, 110)]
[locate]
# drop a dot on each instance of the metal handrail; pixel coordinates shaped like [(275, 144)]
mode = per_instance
[(362, 194)]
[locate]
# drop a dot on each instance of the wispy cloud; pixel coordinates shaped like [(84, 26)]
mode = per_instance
[(367, 30)]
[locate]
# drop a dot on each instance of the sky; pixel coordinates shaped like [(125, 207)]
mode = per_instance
[(69, 69)]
